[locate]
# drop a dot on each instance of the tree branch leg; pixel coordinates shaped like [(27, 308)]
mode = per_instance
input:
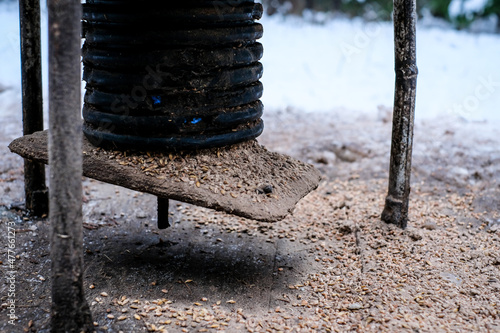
[(70, 311), (36, 194), (396, 204)]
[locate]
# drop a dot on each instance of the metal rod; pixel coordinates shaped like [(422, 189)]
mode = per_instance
[(396, 204), (70, 311), (31, 71), (163, 222)]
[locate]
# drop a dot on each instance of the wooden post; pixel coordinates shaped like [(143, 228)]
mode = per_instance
[(396, 204), (31, 71), (70, 311)]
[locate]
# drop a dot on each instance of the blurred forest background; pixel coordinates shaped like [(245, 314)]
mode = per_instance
[(458, 13)]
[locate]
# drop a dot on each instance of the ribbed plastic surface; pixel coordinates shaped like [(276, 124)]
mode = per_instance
[(165, 75)]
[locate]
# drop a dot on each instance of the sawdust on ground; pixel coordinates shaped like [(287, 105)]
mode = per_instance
[(355, 273)]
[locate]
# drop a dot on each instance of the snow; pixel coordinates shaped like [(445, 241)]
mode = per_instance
[(349, 64), (10, 66), (342, 65), (9, 46)]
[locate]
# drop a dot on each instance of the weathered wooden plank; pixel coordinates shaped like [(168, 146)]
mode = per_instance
[(243, 179)]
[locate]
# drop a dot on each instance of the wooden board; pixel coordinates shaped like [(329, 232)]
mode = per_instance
[(243, 179)]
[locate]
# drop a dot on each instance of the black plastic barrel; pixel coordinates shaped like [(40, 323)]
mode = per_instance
[(171, 75)]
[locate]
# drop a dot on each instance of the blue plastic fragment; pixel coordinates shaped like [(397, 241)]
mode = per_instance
[(156, 100), (195, 120)]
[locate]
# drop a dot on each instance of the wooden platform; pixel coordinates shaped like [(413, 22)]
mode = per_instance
[(243, 179)]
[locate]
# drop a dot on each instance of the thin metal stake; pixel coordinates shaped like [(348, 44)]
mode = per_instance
[(36, 194)]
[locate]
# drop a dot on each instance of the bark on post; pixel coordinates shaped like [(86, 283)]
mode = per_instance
[(396, 204), (31, 72), (70, 311)]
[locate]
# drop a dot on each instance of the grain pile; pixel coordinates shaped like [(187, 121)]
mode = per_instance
[(235, 170), (441, 274), (332, 266)]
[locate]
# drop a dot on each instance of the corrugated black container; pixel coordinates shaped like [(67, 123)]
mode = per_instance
[(171, 75)]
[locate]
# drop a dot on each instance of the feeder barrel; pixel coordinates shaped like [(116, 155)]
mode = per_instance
[(182, 77)]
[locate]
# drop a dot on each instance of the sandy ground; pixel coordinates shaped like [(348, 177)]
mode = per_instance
[(332, 266)]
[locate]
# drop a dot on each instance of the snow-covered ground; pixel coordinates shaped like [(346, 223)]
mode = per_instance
[(344, 65), (350, 64)]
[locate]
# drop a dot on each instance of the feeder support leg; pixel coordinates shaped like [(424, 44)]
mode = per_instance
[(36, 194), (70, 311), (396, 204), (163, 222)]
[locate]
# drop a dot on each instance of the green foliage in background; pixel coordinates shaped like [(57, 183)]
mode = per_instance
[(373, 9), (493, 7), (438, 8)]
